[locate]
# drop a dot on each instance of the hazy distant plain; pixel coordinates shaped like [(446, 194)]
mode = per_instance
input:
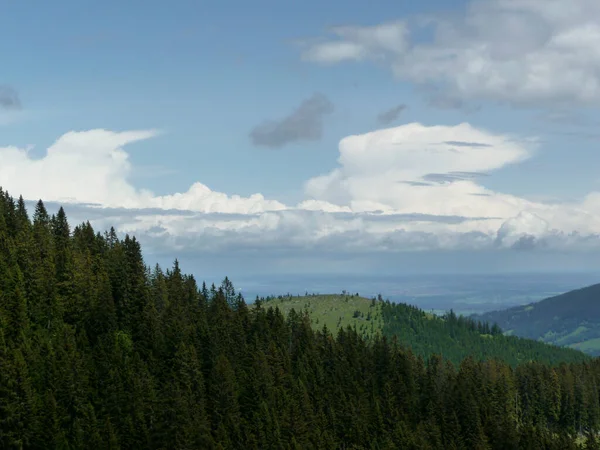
[(466, 294)]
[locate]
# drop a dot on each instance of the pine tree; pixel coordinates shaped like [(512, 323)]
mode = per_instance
[(223, 395), (46, 308)]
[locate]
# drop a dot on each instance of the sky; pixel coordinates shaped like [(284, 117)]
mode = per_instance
[(298, 137)]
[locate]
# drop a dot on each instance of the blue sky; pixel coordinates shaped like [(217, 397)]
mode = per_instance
[(257, 98)]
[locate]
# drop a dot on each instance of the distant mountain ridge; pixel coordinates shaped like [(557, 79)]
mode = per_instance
[(570, 320)]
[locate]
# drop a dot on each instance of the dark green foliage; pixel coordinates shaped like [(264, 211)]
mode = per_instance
[(456, 337), (99, 352)]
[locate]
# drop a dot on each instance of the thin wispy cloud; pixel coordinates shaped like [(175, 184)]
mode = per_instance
[(466, 144), (9, 98), (390, 115), (451, 177), (416, 183), (305, 123)]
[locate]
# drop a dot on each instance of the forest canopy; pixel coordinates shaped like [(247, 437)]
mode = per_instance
[(98, 351)]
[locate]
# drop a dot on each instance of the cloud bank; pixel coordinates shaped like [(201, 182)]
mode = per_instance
[(407, 188)]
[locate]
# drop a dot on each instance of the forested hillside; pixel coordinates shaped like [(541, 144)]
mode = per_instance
[(98, 351), (571, 320), (451, 336)]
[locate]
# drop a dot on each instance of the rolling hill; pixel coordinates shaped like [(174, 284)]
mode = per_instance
[(568, 320), (454, 337)]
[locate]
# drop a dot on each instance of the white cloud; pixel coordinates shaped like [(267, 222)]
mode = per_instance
[(386, 170), (521, 51), (200, 198), (320, 205), (360, 43), (93, 167), (523, 225), (408, 188), (416, 169)]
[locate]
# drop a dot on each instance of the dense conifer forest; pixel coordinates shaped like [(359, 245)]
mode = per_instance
[(456, 337), (98, 351), (452, 336)]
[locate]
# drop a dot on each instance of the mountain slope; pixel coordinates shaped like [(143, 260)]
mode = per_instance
[(451, 336), (570, 320)]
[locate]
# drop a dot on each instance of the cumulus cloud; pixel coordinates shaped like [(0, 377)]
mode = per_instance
[(305, 123), (522, 230), (382, 197), (416, 169), (520, 51), (98, 168), (400, 169), (389, 116)]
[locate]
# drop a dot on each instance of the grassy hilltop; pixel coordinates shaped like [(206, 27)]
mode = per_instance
[(336, 311), (454, 337)]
